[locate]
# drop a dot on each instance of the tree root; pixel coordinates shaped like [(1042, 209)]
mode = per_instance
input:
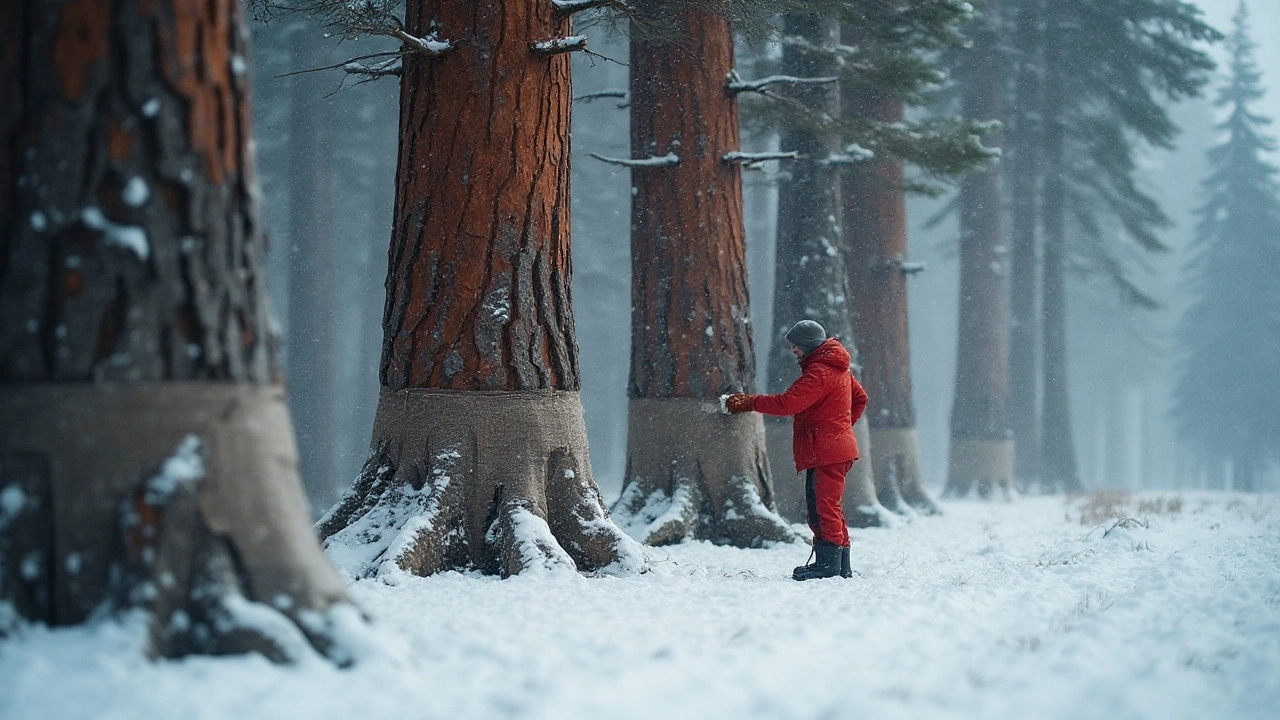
[(182, 501), (984, 465), (895, 455), (693, 472), (497, 481)]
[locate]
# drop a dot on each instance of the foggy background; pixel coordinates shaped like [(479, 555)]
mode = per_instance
[(323, 143)]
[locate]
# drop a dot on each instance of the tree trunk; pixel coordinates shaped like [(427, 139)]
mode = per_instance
[(146, 454), (982, 451), (1057, 455), (811, 280), (310, 368), (479, 454), (1024, 180), (691, 471), (875, 235)]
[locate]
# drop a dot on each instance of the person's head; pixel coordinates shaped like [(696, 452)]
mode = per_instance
[(805, 337)]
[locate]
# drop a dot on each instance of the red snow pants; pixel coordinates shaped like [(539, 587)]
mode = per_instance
[(824, 492)]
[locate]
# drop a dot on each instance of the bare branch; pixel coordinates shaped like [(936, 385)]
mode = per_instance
[(374, 71), (620, 94), (650, 162), (342, 64), (573, 43), (899, 263), (569, 7), (751, 159), (736, 84)]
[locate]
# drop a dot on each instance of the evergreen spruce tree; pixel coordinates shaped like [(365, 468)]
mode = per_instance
[(1229, 393), (1106, 67)]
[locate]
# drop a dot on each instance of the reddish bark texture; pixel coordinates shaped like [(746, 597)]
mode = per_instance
[(980, 411), (690, 336), (478, 294), (130, 242), (875, 235)]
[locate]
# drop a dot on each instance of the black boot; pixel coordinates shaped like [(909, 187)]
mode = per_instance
[(846, 570), (827, 564), (807, 567)]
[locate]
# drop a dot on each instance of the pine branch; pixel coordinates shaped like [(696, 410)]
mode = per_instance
[(736, 84)]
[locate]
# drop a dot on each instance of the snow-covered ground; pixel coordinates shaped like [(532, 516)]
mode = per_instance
[(1017, 610)]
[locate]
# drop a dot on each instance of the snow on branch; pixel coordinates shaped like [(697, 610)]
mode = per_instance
[(750, 159), (569, 7), (375, 70), (738, 85), (899, 263), (431, 46), (649, 162), (573, 43), (853, 154)]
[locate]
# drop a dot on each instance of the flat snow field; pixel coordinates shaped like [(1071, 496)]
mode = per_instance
[(1021, 610)]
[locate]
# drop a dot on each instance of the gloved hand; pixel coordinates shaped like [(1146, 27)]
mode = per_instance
[(738, 402)]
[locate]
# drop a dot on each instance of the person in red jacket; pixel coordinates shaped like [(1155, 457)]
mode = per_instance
[(826, 401)]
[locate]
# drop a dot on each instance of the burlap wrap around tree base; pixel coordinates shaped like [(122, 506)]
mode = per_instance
[(895, 459), (694, 472), (982, 464), (186, 492), (495, 480), (861, 508)]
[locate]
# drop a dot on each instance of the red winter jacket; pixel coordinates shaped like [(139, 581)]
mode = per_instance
[(826, 400)]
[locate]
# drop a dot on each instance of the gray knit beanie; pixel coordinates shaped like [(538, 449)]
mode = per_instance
[(806, 335)]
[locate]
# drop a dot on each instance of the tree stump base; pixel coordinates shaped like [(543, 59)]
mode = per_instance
[(982, 464), (499, 481), (895, 457), (696, 473), (177, 498)]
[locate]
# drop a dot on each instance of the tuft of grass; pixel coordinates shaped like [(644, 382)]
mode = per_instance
[(1160, 506), (1099, 506)]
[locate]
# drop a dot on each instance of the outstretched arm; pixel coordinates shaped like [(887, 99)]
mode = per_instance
[(804, 392)]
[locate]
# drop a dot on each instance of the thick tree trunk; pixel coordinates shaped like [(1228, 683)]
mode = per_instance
[(690, 337), (875, 235), (310, 364), (479, 454), (811, 280), (982, 451), (146, 454), (1024, 180), (1057, 454)]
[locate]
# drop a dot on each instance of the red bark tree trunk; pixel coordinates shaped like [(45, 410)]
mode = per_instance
[(982, 451), (690, 337), (479, 437), (875, 233), (145, 448)]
